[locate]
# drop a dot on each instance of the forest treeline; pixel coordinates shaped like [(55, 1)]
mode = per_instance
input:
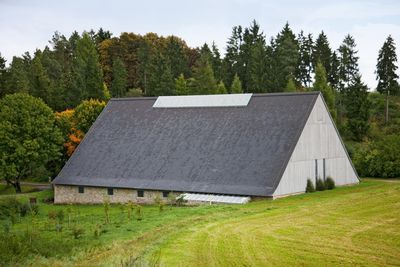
[(95, 65)]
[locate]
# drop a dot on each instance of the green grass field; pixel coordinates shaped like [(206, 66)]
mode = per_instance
[(347, 226)]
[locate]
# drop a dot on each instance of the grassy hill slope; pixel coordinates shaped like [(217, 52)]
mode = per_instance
[(355, 225)]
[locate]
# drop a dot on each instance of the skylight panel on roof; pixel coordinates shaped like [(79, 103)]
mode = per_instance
[(191, 101), (215, 198)]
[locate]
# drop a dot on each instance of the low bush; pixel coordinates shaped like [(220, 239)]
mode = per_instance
[(329, 183), (380, 158), (310, 186), (320, 185), (77, 232)]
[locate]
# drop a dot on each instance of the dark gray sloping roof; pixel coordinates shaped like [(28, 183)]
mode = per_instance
[(222, 150)]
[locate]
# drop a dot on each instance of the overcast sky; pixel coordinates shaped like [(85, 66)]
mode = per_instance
[(26, 25)]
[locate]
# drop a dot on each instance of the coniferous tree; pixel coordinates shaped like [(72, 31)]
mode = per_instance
[(253, 39), (221, 89), (40, 84), (358, 108), (216, 62), (386, 72), (322, 52), (321, 84), (3, 76), (257, 79), (333, 74), (231, 60), (18, 78), (160, 79), (236, 87), (290, 86), (305, 66), (87, 74), (175, 53), (181, 87), (119, 81), (203, 77), (348, 68), (286, 56)]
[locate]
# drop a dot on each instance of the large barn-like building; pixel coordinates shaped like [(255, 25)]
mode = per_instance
[(244, 145)]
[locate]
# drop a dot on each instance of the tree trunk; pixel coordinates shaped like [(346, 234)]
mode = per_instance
[(17, 186)]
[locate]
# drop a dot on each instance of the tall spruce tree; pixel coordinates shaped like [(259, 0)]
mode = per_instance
[(3, 76), (305, 66), (175, 53), (88, 78), (119, 81), (286, 56), (333, 74), (253, 39), (348, 68), (216, 62), (160, 79), (322, 53), (358, 109), (40, 84), (321, 84), (257, 79), (18, 78), (386, 72), (231, 60)]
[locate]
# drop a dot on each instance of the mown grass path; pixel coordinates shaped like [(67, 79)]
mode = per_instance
[(347, 226)]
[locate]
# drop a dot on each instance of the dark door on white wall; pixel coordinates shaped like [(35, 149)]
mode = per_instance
[(320, 171)]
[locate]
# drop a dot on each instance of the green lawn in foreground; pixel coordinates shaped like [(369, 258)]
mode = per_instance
[(356, 225)]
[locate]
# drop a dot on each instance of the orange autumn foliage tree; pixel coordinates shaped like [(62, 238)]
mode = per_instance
[(67, 124), (75, 122)]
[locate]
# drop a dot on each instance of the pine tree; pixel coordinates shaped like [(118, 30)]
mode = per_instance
[(203, 77), (236, 87), (348, 68), (286, 56), (322, 52), (221, 89), (160, 79), (18, 78), (321, 84), (253, 39), (305, 66), (175, 53), (88, 78), (119, 81), (3, 76), (291, 85), (40, 84), (386, 72), (257, 80), (216, 62), (231, 60), (358, 109), (333, 74), (181, 87)]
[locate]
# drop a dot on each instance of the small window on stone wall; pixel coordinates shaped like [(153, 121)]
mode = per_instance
[(81, 189), (110, 191), (140, 193), (165, 193)]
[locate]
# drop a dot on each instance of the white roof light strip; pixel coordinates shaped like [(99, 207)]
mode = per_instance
[(191, 101)]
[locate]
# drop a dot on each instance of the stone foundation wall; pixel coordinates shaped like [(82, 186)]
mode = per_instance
[(64, 194)]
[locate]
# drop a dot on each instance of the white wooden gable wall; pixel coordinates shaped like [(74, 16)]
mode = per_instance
[(318, 141)]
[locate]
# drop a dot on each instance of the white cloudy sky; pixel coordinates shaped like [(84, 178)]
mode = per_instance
[(28, 24)]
